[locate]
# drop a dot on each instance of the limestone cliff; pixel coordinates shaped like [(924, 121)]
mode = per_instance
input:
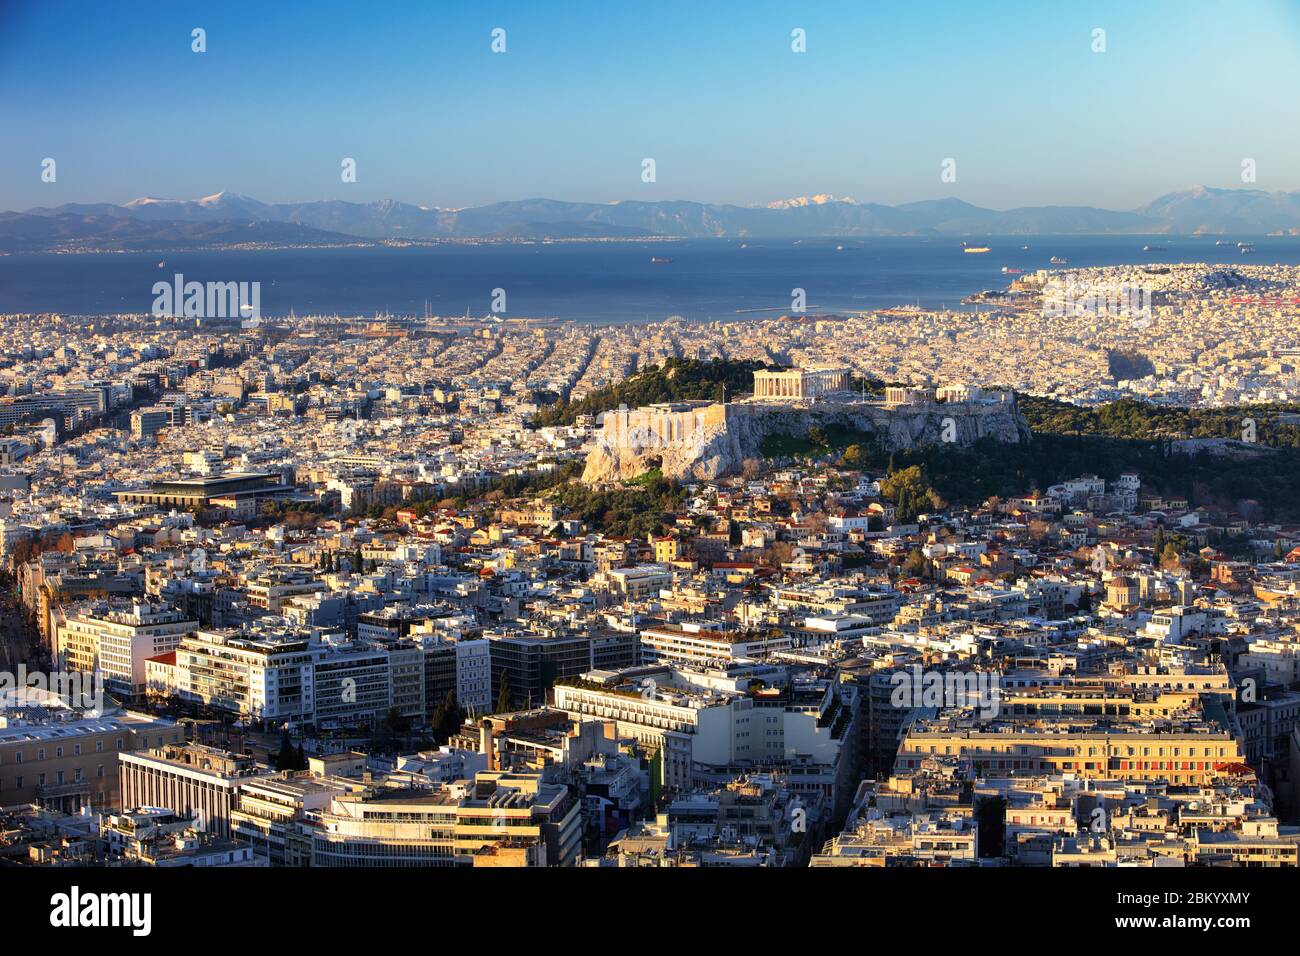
[(699, 440)]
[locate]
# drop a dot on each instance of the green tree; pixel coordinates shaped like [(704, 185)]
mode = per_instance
[(915, 565), (909, 490), (447, 718), (855, 456)]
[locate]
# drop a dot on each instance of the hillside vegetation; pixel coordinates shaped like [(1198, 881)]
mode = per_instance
[(677, 380)]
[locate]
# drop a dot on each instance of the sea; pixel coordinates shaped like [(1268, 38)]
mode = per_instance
[(596, 282)]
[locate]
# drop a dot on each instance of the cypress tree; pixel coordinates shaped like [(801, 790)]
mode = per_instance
[(288, 757)]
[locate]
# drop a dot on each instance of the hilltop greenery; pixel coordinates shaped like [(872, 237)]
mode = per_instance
[(1134, 420), (1263, 486), (677, 380), (1070, 440)]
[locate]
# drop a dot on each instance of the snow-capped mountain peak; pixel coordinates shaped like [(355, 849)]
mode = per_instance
[(820, 199)]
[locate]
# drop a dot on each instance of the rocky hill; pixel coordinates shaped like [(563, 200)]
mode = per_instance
[(704, 440)]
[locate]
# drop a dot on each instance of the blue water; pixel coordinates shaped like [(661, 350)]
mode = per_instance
[(593, 282)]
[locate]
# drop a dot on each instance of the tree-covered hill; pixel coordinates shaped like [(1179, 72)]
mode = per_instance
[(1134, 420), (677, 380)]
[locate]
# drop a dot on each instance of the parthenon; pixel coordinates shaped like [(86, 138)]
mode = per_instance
[(799, 383)]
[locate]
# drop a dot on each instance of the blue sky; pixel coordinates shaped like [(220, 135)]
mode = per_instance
[(712, 91)]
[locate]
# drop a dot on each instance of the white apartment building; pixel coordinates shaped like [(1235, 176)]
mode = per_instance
[(695, 731), (692, 643), (264, 677), (117, 641)]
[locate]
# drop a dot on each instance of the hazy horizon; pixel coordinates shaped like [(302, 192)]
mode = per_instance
[(858, 200)]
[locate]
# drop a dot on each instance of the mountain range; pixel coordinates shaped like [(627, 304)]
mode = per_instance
[(226, 219)]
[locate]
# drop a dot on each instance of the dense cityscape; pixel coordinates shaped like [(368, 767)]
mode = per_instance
[(853, 443), (309, 569)]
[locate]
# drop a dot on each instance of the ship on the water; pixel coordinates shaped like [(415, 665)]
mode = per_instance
[(1007, 270), (977, 249), (1058, 261), (660, 260)]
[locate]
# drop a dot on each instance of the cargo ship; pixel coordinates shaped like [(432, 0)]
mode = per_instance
[(1007, 270), (659, 260), (977, 249), (1058, 261)]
